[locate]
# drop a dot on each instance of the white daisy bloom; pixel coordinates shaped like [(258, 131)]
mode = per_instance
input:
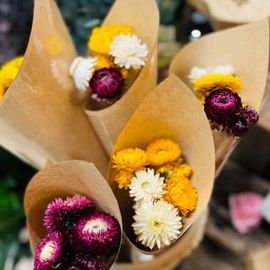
[(146, 186), (197, 72), (129, 51), (82, 70), (157, 224)]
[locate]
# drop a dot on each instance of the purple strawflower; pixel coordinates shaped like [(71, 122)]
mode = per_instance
[(61, 214), (250, 115), (106, 84), (237, 125), (100, 233), (48, 252), (221, 104)]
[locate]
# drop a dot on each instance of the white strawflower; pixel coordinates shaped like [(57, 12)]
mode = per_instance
[(146, 186), (129, 51), (197, 72), (157, 224), (82, 70)]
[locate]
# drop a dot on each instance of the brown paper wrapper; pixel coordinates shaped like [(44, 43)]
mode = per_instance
[(40, 117), (143, 16), (61, 180), (170, 111), (247, 49), (174, 255), (221, 17)]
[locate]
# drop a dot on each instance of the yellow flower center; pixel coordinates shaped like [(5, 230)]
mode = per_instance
[(157, 225)]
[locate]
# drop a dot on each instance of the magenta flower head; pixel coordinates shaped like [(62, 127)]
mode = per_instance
[(90, 263), (106, 85), (221, 104), (237, 125), (250, 115), (62, 213), (100, 233), (48, 252)]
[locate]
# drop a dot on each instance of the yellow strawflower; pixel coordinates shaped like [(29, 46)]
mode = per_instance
[(102, 37), (131, 159), (181, 193), (8, 73), (212, 82), (162, 151), (103, 61), (123, 178)]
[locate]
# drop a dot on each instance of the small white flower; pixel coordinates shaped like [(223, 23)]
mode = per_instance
[(129, 51), (82, 70), (197, 72), (157, 224), (146, 186)]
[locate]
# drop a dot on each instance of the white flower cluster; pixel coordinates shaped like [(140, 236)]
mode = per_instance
[(197, 72), (157, 222)]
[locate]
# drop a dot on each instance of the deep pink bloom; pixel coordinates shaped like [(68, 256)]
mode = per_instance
[(220, 105), (106, 84), (237, 125), (48, 252), (250, 115), (245, 211), (62, 213), (99, 233)]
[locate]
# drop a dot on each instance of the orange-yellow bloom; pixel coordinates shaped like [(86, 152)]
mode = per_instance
[(123, 178), (131, 159), (162, 151), (212, 82), (181, 193)]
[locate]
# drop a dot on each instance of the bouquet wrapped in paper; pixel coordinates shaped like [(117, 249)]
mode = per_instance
[(121, 68), (162, 170), (40, 116), (73, 218), (227, 71), (228, 13)]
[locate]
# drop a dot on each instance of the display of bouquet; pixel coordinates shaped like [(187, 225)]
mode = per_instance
[(121, 67), (73, 218), (228, 78), (156, 167)]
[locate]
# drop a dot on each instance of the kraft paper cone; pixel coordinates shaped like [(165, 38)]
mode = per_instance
[(40, 118), (143, 16), (170, 111), (64, 179), (174, 255), (228, 13), (247, 49)]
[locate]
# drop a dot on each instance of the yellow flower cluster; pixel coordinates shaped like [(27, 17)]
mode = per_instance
[(102, 37), (211, 82), (182, 194), (164, 156), (8, 73)]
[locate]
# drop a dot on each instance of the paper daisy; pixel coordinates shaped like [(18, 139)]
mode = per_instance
[(48, 252), (162, 151), (129, 51), (99, 232), (157, 224), (82, 70), (197, 72), (146, 186)]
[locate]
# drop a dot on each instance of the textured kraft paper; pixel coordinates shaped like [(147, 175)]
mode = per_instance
[(64, 179), (247, 49), (40, 117), (174, 255), (143, 16), (170, 111), (221, 17)]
